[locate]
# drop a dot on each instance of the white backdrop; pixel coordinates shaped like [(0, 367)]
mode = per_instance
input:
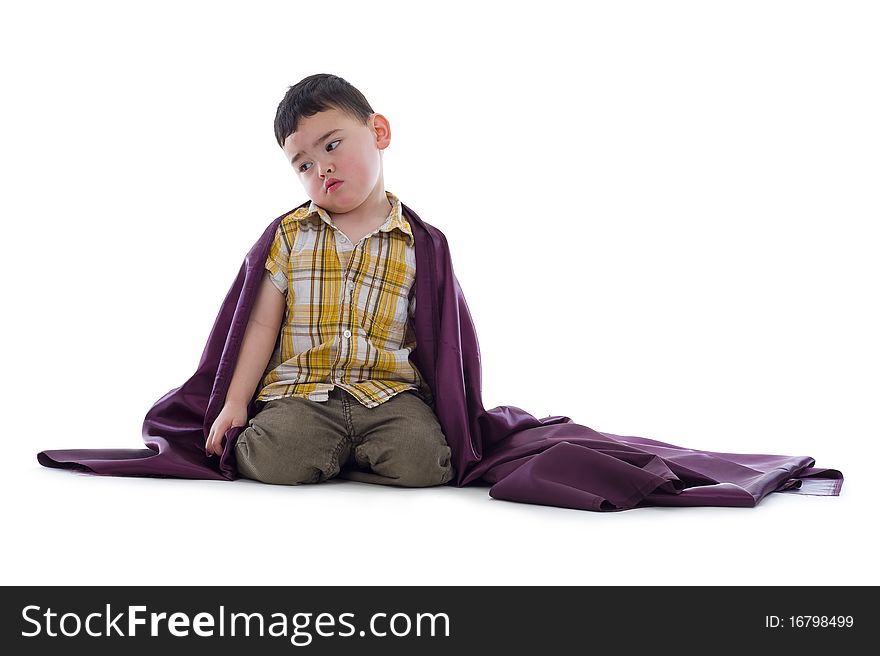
[(663, 216)]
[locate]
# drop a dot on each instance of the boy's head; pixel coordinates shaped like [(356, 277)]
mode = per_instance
[(328, 131)]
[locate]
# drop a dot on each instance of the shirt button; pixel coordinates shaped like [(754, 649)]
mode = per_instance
[(347, 334), (350, 284)]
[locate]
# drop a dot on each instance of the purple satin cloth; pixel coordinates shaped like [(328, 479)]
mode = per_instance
[(550, 461)]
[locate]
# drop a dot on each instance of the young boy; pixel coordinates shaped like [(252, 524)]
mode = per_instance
[(311, 369), (329, 337)]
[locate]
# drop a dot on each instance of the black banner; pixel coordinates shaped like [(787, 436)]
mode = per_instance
[(434, 620)]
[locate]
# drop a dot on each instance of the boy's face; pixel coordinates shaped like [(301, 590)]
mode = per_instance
[(352, 154)]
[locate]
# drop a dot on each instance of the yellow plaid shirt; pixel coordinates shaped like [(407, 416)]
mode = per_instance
[(349, 309)]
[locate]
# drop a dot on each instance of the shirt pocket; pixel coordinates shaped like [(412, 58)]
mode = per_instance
[(384, 306)]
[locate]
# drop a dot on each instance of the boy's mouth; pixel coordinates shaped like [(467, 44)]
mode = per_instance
[(332, 185)]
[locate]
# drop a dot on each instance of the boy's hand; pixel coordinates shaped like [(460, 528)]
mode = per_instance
[(231, 415)]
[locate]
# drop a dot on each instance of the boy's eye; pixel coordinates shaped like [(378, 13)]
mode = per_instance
[(328, 146)]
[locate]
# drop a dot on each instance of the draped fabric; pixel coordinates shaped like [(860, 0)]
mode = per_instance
[(550, 461)]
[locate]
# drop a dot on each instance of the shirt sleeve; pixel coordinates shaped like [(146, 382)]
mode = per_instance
[(278, 259)]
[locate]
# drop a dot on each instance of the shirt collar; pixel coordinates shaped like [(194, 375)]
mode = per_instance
[(395, 219)]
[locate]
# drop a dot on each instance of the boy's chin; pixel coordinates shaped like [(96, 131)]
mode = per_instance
[(325, 202)]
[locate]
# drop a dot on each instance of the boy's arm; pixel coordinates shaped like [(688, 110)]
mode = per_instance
[(259, 340)]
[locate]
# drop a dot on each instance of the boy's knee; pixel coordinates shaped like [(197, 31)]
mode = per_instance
[(433, 468), (267, 467)]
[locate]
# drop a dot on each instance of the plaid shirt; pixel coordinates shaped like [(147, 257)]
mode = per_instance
[(349, 309)]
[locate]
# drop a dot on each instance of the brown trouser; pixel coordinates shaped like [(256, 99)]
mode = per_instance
[(293, 440)]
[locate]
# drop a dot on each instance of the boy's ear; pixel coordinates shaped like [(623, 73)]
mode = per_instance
[(382, 130)]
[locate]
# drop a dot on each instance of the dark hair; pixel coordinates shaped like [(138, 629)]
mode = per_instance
[(317, 93)]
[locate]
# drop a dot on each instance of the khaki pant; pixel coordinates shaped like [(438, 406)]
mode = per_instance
[(291, 441)]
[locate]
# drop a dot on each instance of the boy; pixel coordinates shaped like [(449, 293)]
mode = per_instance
[(340, 395), (329, 290)]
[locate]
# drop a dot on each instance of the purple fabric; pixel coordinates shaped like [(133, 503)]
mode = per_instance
[(551, 461)]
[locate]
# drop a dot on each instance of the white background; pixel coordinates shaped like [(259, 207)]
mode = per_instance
[(663, 216)]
